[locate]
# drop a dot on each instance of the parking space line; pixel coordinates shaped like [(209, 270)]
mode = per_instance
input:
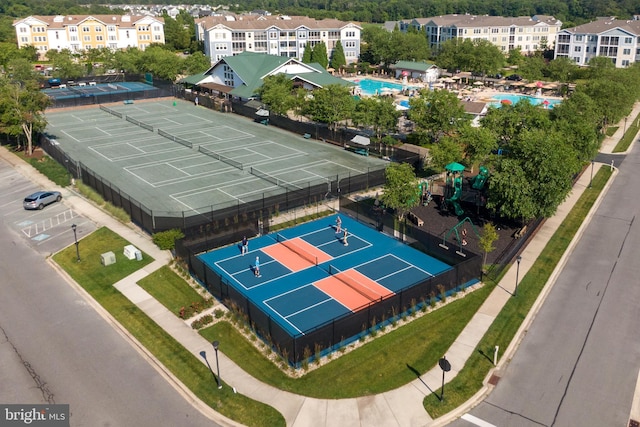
[(35, 228)]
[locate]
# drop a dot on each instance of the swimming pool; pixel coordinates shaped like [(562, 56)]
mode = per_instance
[(507, 98), (375, 87)]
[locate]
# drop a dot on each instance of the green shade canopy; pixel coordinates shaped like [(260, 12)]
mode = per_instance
[(454, 167)]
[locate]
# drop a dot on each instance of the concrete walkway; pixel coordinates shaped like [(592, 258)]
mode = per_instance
[(401, 407)]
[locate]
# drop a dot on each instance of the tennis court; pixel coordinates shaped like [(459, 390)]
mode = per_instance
[(309, 277), (96, 89), (173, 156)]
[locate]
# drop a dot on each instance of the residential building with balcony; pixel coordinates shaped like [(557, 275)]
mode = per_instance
[(82, 32), (616, 39), (275, 35), (529, 34)]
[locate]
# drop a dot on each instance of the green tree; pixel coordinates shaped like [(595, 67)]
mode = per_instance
[(65, 65), (331, 105), (196, 63), (478, 143), (276, 92), (22, 108), (338, 60), (319, 55), (437, 112), (306, 55), (488, 236), (448, 150), (161, 63), (377, 113), (400, 191)]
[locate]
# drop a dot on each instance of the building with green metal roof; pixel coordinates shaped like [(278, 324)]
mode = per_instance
[(242, 75)]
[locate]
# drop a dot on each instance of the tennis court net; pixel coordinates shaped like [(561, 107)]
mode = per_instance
[(274, 180), (360, 288), (220, 157), (175, 138), (110, 111), (139, 123), (296, 249)]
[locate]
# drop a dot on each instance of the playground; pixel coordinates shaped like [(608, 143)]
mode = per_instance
[(455, 209)]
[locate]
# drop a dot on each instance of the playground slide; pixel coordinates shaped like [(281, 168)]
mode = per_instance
[(454, 201)]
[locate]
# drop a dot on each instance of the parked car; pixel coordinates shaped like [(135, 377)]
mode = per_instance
[(514, 77), (40, 199)]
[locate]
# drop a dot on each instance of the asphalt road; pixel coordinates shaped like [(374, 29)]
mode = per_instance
[(579, 361), (54, 346)]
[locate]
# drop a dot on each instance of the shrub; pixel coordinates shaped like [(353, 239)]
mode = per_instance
[(167, 239)]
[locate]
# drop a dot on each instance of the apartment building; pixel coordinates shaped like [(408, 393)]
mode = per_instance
[(275, 35), (81, 32), (618, 40), (528, 34)]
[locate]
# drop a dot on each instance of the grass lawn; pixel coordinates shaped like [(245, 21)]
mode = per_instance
[(170, 289), (388, 362), (629, 136), (503, 329), (98, 280)]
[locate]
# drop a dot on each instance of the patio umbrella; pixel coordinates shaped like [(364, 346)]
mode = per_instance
[(478, 83), (506, 102), (539, 84)]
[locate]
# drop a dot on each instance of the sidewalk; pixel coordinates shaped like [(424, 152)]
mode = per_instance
[(400, 407)]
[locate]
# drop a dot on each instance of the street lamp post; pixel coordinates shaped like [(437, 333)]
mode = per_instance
[(75, 237), (591, 180), (446, 367), (625, 127), (215, 345), (518, 259)]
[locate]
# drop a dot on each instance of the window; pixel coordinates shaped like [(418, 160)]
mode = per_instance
[(98, 29), (86, 29), (302, 35), (628, 40), (576, 59), (112, 38), (127, 33), (24, 39), (99, 38), (57, 36), (23, 29), (157, 28), (73, 38), (578, 38), (564, 38), (111, 28), (350, 44), (273, 34), (73, 29), (157, 37), (86, 38), (220, 46), (626, 51), (350, 34), (577, 48), (625, 62)]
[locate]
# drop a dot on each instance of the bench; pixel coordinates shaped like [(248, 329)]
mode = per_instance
[(415, 219), (521, 232), (361, 151), (128, 101), (306, 136), (264, 122)]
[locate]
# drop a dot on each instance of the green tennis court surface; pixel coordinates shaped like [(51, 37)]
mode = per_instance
[(174, 157)]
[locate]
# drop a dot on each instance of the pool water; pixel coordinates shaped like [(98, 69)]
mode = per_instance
[(374, 87), (499, 99)]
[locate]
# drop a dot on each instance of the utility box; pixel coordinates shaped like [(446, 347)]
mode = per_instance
[(131, 252), (107, 258)]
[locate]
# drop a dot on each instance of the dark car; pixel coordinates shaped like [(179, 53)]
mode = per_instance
[(514, 77), (41, 199)]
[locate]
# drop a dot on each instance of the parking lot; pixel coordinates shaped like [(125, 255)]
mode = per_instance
[(47, 230)]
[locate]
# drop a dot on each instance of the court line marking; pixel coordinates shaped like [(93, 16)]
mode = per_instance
[(477, 421), (69, 136), (415, 266)]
